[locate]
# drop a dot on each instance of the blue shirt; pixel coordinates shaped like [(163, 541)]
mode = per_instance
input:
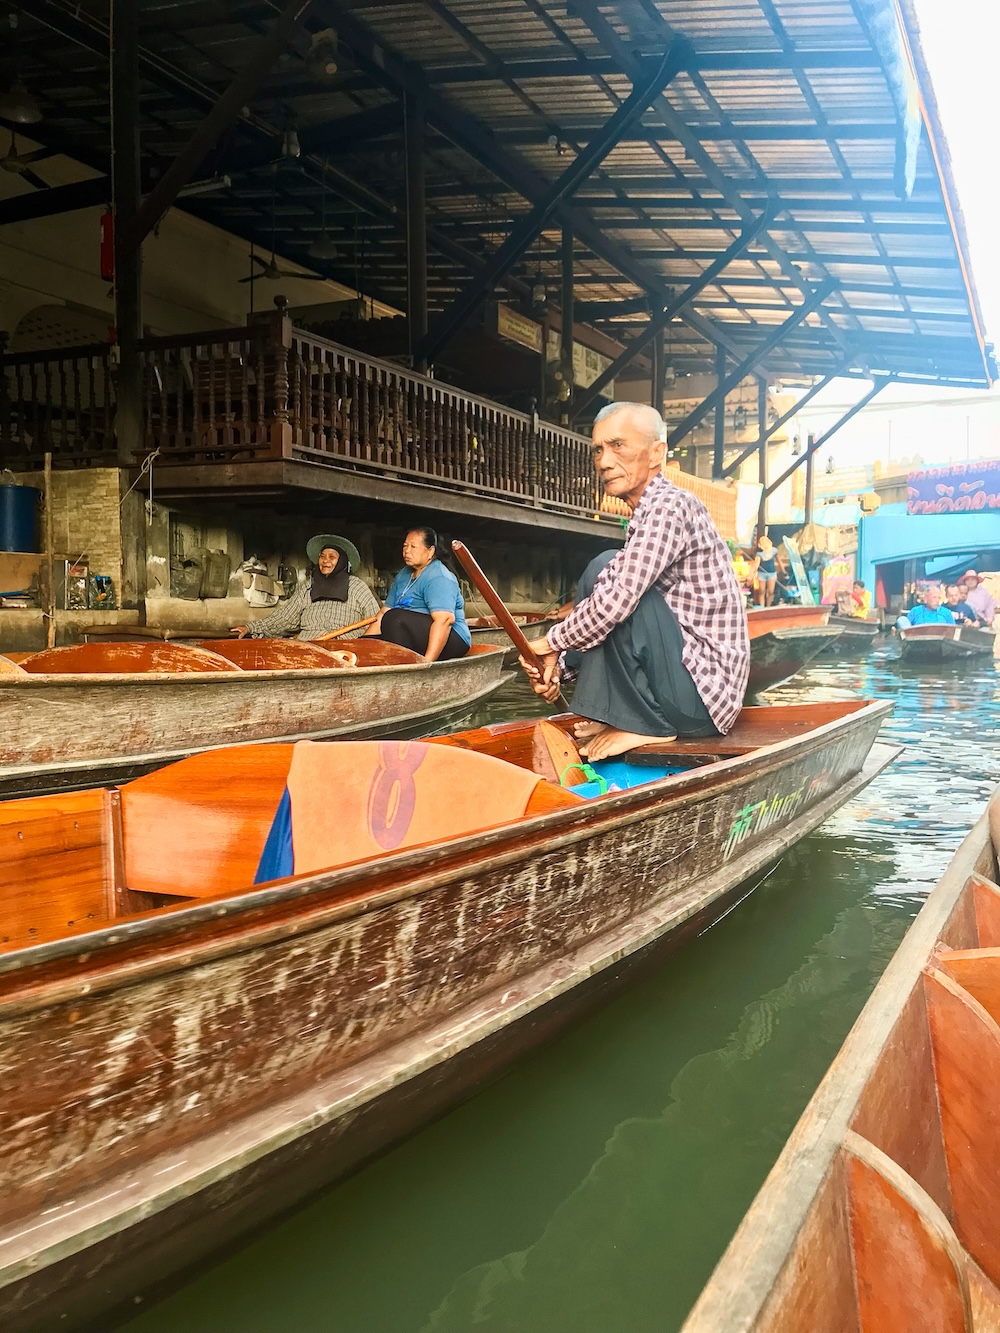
[(434, 589), (922, 615)]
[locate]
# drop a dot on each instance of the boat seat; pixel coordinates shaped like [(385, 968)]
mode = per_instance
[(125, 658), (279, 654), (198, 828), (58, 875)]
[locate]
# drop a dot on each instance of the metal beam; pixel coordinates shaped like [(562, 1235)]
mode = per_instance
[(324, 139), (801, 312), (58, 199), (568, 317), (719, 441), (416, 233), (762, 455), (529, 137), (672, 310), (546, 205), (657, 380), (629, 58), (730, 468), (880, 383), (547, 66), (222, 115)]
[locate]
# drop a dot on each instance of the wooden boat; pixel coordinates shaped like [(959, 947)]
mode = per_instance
[(783, 639), (857, 636), (187, 1054), (945, 643), (487, 629), (101, 712), (882, 1213)]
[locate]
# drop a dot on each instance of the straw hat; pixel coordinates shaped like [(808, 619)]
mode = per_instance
[(347, 549)]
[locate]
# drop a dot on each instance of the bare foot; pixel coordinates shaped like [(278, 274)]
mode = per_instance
[(583, 731), (611, 741)]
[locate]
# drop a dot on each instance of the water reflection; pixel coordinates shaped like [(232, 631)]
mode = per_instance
[(594, 1187)]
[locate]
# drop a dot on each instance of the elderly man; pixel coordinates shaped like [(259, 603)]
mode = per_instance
[(928, 611), (658, 636), (978, 597)]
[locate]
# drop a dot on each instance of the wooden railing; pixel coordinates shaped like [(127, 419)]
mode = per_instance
[(269, 391)]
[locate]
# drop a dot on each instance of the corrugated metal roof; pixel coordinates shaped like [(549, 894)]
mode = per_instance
[(783, 104)]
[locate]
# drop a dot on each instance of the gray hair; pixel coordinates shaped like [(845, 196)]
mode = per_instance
[(647, 418)]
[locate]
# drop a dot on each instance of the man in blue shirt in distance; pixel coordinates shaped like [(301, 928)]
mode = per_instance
[(928, 612)]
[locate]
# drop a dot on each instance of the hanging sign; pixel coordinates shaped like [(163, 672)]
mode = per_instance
[(963, 488), (507, 323), (587, 364)]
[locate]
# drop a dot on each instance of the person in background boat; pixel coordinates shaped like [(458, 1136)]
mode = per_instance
[(979, 598), (658, 635), (861, 600), (424, 609), (928, 611), (332, 598), (767, 571), (959, 607)]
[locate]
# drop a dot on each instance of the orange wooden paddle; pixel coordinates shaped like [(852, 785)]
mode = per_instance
[(494, 601), (348, 629)]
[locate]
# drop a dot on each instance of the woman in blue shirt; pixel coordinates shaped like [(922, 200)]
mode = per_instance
[(424, 609)]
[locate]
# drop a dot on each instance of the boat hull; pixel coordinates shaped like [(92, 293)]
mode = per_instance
[(857, 637), (498, 637), (779, 654), (59, 732), (945, 643), (223, 1061)]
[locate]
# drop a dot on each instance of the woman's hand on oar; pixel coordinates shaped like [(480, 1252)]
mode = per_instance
[(543, 670)]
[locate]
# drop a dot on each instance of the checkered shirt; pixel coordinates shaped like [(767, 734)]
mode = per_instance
[(672, 545), (308, 619)]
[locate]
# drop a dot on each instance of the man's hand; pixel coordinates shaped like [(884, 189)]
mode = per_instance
[(239, 631), (546, 681)]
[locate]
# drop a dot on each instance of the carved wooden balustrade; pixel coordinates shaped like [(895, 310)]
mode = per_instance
[(271, 391)]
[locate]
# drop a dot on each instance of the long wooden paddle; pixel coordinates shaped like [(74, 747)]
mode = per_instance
[(494, 601), (339, 633)]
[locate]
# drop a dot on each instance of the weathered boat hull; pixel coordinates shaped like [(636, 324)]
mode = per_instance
[(857, 637), (780, 654), (945, 643), (58, 732), (882, 1211), (195, 1073)]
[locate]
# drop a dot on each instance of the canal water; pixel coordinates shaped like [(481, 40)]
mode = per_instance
[(593, 1188)]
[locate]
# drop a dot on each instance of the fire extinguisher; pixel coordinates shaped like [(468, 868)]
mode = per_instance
[(107, 246)]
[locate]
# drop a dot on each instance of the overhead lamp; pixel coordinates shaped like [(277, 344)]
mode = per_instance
[(829, 464), (539, 296), (321, 58), (323, 247), (740, 418), (290, 146), (19, 106), (669, 374)]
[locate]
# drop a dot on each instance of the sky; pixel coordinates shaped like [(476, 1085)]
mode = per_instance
[(961, 44)]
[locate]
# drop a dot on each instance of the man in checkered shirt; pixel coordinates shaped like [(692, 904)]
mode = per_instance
[(658, 636)]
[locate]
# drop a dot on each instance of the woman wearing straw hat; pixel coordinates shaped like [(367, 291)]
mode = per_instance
[(331, 599)]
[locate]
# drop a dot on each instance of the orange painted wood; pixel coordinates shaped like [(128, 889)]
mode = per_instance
[(986, 897), (976, 971), (57, 871), (909, 1267), (17, 657), (985, 1296), (278, 654), (125, 658), (546, 798), (555, 756), (8, 667), (966, 1044), (373, 652), (769, 619), (218, 806), (903, 1075)]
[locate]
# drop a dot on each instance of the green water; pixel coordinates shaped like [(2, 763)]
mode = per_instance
[(594, 1187)]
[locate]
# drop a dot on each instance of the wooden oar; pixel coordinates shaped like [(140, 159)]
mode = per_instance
[(494, 601), (339, 633)]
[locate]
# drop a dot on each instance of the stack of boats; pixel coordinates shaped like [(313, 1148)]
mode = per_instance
[(228, 981)]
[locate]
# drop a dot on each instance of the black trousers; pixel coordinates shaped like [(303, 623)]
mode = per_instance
[(411, 629), (636, 679)]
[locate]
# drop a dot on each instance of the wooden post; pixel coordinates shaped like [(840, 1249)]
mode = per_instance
[(810, 479), (416, 232), (719, 440), (126, 194), (281, 343), (50, 562), (762, 455), (568, 319)]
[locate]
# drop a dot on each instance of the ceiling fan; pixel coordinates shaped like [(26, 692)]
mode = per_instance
[(271, 271), (19, 164)]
